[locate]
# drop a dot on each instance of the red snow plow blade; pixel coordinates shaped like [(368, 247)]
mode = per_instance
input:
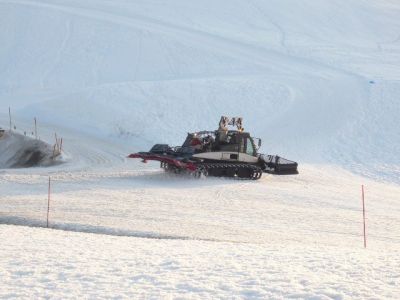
[(166, 159)]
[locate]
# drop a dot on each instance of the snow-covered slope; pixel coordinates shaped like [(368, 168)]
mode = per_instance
[(318, 81), (70, 265), (144, 233)]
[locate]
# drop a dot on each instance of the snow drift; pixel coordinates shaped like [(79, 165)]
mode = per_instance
[(19, 151)]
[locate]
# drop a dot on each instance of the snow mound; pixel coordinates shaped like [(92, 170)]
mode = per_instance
[(19, 151)]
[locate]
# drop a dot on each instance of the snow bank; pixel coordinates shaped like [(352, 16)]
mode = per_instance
[(19, 151)]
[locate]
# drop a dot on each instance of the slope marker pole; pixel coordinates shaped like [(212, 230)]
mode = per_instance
[(48, 204), (363, 205), (35, 128), (9, 115)]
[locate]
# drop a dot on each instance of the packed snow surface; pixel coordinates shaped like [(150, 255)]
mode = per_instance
[(66, 265), (317, 81)]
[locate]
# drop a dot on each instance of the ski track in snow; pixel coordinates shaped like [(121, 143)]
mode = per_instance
[(120, 77)]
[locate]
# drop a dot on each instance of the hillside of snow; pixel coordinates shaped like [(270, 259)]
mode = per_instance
[(317, 81)]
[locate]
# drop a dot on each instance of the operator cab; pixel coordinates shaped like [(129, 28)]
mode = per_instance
[(222, 140), (213, 141), (235, 141)]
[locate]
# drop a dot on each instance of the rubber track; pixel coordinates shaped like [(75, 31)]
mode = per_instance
[(255, 174)]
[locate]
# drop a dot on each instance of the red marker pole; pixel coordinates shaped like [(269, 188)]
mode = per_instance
[(363, 204), (48, 204)]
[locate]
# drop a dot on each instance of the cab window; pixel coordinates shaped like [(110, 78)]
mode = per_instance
[(249, 147)]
